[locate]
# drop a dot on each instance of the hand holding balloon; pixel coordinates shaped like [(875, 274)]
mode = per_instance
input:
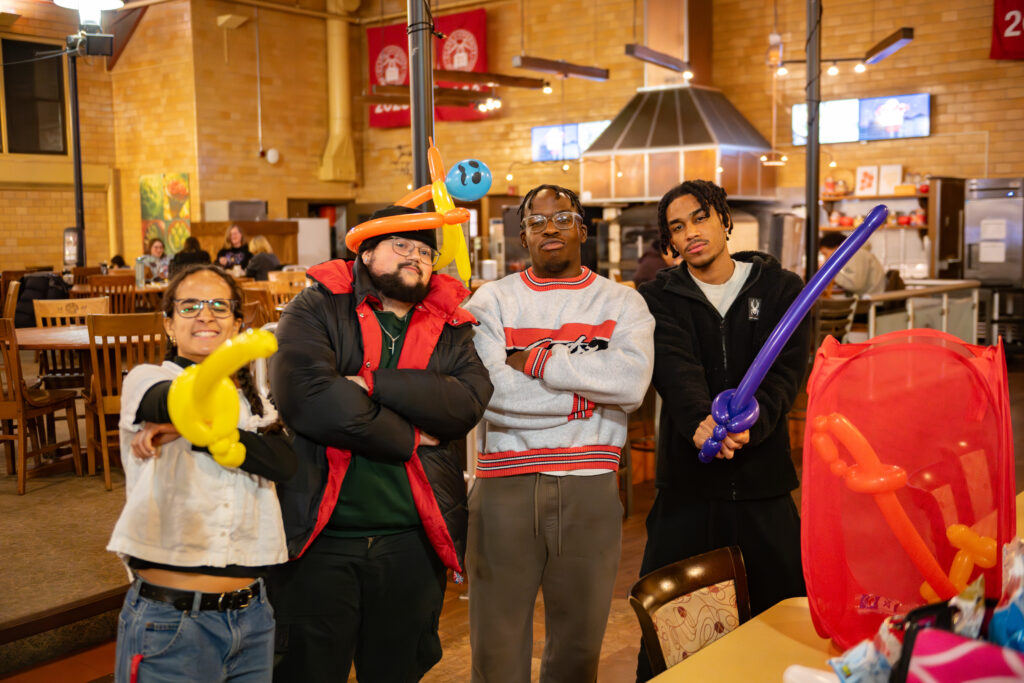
[(736, 410), (203, 401)]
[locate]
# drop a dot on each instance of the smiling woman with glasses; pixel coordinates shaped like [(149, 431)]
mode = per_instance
[(196, 536)]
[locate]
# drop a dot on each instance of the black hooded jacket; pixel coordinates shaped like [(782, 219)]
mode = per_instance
[(329, 332), (699, 353)]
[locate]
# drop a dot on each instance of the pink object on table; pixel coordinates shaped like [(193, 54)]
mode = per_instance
[(943, 657)]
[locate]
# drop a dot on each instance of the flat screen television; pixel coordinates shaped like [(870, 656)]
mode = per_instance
[(564, 141), (873, 118)]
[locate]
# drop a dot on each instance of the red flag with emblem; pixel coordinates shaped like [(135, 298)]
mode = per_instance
[(464, 48), (1007, 30)]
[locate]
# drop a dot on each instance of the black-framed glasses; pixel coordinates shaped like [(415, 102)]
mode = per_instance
[(190, 308), (404, 247), (563, 220)]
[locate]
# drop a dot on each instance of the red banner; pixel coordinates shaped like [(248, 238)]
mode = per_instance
[(1008, 30), (463, 49)]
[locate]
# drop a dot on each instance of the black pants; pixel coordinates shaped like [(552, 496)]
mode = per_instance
[(375, 601), (766, 530)]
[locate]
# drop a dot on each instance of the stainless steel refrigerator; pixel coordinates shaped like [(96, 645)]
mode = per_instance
[(994, 231)]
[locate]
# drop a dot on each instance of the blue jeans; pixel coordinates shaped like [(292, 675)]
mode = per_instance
[(194, 646)]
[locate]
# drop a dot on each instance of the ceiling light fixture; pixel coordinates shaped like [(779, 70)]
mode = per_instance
[(888, 45), (782, 71), (860, 68), (547, 88), (560, 67), (89, 10), (565, 168), (833, 70)]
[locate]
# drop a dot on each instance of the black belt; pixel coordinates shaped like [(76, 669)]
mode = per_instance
[(184, 600)]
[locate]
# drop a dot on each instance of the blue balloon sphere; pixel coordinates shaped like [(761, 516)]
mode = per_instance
[(468, 179)]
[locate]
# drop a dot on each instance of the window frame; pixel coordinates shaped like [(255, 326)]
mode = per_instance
[(5, 153)]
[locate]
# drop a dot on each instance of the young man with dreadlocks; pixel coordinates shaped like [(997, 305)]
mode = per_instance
[(570, 355), (714, 312)]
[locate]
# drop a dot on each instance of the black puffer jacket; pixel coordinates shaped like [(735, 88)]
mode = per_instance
[(699, 353), (328, 332)]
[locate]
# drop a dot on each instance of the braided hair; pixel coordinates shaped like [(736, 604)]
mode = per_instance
[(706, 193), (244, 375), (559, 192)]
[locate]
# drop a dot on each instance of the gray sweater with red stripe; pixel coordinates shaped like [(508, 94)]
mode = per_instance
[(591, 354)]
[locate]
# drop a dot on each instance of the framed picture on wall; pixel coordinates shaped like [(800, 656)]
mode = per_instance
[(889, 176), (867, 181)]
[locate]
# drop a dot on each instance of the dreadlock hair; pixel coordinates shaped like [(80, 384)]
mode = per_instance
[(244, 375), (706, 193), (559, 192)]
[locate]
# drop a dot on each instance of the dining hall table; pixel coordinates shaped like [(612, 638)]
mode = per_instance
[(762, 648)]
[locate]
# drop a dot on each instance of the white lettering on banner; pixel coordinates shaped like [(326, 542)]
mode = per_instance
[(388, 108)]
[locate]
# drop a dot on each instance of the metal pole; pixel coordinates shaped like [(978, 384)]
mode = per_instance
[(813, 100), (76, 156), (421, 89)]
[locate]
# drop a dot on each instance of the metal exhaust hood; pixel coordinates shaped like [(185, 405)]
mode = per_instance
[(669, 134)]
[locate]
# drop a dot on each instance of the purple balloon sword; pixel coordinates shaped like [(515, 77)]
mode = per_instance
[(736, 410)]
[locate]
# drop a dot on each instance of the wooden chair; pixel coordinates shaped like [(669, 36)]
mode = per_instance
[(253, 315), (19, 406), (80, 274), (282, 291), (296, 278), (689, 604), (833, 317), (240, 281), (64, 369), (120, 289), (260, 293), (11, 299), (117, 343), (6, 278)]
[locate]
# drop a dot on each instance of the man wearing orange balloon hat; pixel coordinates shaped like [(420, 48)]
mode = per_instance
[(376, 375)]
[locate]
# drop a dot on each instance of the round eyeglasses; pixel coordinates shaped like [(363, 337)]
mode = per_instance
[(407, 248), (563, 220), (190, 308)]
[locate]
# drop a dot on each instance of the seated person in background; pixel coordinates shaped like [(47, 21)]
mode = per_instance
[(117, 261), (156, 259), (651, 261), (263, 259), (862, 274), (191, 253), (236, 249)]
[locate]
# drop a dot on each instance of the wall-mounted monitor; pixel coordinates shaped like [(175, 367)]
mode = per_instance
[(872, 118), (564, 141)]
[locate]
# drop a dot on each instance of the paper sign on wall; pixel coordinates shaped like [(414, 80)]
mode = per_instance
[(993, 229), (992, 252), (867, 181), (889, 176)]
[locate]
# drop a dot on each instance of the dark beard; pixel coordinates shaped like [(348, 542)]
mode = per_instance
[(392, 286)]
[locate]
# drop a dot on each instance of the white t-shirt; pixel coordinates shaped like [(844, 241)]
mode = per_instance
[(185, 510), (721, 296)]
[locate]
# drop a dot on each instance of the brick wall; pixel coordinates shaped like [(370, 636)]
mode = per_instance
[(974, 99), (590, 32), (32, 220), (293, 66), (154, 111)]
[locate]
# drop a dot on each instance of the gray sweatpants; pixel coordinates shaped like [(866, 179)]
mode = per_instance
[(559, 534)]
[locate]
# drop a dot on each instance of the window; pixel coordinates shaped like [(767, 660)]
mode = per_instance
[(33, 98)]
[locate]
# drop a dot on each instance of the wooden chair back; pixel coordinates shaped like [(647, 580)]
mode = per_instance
[(117, 343), (282, 291), (689, 604), (11, 299), (120, 289), (64, 368), (6, 278), (80, 274), (10, 373), (297, 279), (260, 293), (833, 317), (253, 315)]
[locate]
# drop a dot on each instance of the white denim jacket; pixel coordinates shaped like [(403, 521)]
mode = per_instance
[(185, 510)]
